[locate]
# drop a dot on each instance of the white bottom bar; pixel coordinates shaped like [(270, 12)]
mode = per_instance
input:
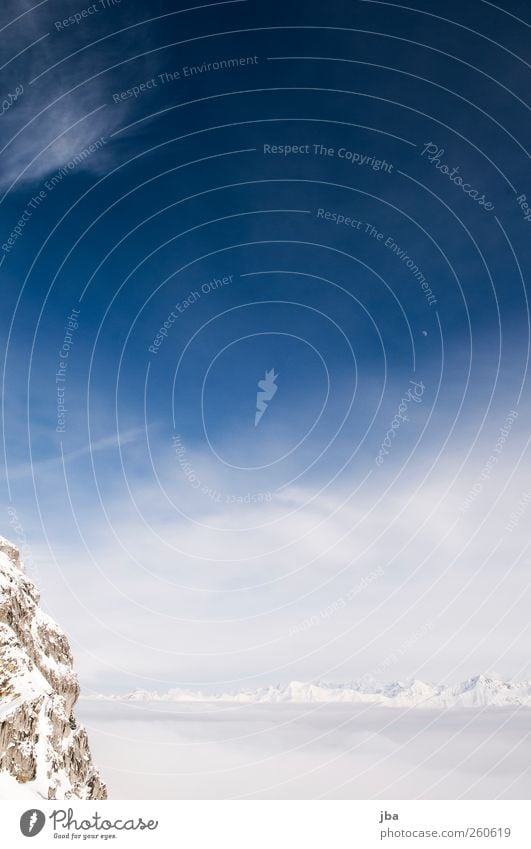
[(267, 824)]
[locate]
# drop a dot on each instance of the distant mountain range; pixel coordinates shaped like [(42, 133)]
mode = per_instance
[(477, 692)]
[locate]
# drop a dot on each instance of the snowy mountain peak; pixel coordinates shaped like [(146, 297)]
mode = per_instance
[(43, 750), (477, 692)]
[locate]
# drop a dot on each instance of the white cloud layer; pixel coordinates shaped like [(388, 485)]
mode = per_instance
[(307, 752)]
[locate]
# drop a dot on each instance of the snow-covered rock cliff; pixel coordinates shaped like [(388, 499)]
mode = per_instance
[(43, 750)]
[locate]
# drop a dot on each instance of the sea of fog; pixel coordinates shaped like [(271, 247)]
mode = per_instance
[(292, 751)]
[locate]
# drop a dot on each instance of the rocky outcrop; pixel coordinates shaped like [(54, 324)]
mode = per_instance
[(41, 743)]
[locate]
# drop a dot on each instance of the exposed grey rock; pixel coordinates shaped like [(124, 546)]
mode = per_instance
[(40, 739)]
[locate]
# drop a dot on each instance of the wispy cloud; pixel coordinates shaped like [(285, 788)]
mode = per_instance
[(186, 598), (59, 115), (55, 464)]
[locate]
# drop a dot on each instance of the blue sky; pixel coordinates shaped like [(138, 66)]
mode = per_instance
[(242, 211)]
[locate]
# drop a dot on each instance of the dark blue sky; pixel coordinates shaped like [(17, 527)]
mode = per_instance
[(327, 190)]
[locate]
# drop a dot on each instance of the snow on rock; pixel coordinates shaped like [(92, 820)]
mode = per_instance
[(43, 750), (477, 692)]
